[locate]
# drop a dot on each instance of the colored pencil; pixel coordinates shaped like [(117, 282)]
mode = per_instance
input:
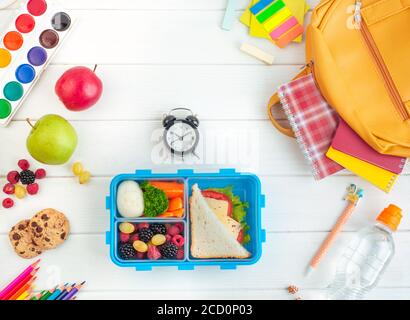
[(18, 279), (23, 289), (37, 296), (57, 292), (20, 285), (48, 293), (65, 292), (24, 296), (73, 292)]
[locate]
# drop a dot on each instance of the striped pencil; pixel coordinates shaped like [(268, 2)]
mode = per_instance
[(65, 292), (23, 289), (20, 285), (57, 292), (74, 291), (18, 279)]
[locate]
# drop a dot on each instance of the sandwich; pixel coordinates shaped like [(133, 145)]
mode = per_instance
[(214, 234)]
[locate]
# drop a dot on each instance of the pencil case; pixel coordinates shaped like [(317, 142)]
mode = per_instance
[(245, 185)]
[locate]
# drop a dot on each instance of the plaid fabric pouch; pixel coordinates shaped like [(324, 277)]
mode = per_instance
[(313, 121)]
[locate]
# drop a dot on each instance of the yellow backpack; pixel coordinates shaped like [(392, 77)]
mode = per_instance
[(359, 54)]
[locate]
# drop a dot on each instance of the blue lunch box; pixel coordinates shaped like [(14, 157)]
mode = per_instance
[(245, 185)]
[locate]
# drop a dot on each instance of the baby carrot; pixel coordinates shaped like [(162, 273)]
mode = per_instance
[(175, 204), (171, 189)]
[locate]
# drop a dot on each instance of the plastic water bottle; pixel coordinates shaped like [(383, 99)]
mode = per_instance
[(365, 258)]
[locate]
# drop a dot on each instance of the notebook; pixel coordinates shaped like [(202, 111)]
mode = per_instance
[(381, 178), (349, 142), (313, 121)]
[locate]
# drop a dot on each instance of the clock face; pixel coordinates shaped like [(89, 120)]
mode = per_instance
[(181, 137)]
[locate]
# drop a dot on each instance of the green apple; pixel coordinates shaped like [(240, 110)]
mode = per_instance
[(52, 140)]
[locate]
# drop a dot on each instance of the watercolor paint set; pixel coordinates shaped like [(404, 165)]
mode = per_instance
[(27, 46), (205, 233)]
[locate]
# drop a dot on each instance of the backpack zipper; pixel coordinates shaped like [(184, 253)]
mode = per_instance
[(377, 57)]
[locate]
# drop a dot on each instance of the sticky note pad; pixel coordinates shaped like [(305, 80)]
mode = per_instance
[(289, 36), (261, 5), (270, 11), (283, 28), (277, 19)]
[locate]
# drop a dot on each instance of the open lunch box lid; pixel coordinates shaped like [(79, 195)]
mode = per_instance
[(245, 185)]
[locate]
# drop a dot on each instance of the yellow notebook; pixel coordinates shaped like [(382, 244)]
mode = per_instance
[(381, 178)]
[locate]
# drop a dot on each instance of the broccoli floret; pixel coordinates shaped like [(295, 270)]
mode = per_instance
[(155, 200)]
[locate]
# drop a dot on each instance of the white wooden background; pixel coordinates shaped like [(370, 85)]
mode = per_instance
[(154, 55)]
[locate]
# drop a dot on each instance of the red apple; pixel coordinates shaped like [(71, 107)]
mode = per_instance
[(79, 88)]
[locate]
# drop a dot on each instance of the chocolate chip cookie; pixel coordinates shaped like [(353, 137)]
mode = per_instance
[(22, 242), (49, 228)]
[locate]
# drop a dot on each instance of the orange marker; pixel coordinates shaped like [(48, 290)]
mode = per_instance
[(353, 196)]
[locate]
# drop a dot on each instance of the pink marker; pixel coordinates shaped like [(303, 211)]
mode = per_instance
[(283, 28)]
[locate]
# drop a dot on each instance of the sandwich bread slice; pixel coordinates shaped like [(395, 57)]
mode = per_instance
[(210, 239)]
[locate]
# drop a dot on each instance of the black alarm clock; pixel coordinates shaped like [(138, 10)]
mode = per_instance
[(181, 135)]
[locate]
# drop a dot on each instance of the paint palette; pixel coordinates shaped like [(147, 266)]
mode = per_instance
[(276, 18), (26, 48)]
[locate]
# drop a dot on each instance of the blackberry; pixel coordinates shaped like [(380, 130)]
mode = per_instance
[(27, 177), (145, 234), (126, 251), (169, 250), (157, 228)]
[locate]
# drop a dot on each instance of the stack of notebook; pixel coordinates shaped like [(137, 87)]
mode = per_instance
[(350, 151), (328, 143), (296, 10)]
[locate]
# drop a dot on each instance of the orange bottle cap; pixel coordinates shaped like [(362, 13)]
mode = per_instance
[(390, 216)]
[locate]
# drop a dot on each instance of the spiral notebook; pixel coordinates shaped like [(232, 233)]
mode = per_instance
[(313, 122)]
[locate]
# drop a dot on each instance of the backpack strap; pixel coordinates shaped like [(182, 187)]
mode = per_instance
[(274, 101)]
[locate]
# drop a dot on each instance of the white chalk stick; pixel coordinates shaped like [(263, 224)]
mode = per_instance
[(229, 16), (257, 53)]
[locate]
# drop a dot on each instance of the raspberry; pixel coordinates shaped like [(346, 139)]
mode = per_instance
[(8, 203), (180, 226), (124, 237), (168, 237), (140, 255), (153, 253), (13, 177), (143, 225), (173, 230), (9, 188), (32, 189), (178, 240), (180, 254), (40, 174), (134, 237), (23, 164)]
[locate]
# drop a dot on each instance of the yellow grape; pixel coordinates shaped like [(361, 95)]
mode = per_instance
[(85, 177), (77, 168)]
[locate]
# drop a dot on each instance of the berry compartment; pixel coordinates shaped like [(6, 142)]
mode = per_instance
[(135, 236), (168, 214)]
